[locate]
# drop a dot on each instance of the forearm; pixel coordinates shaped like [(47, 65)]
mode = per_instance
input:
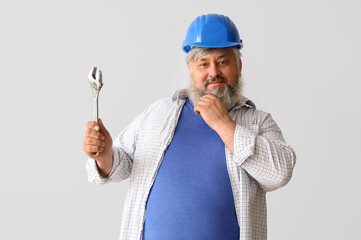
[(264, 154), (271, 163), (226, 133)]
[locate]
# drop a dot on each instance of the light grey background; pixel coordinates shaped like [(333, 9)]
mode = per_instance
[(300, 63)]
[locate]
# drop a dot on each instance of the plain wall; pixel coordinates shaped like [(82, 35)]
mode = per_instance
[(300, 63)]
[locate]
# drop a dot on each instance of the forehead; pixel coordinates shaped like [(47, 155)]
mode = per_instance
[(216, 54)]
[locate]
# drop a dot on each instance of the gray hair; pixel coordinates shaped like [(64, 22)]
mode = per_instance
[(197, 52)]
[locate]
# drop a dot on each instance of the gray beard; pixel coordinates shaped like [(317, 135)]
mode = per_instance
[(230, 96)]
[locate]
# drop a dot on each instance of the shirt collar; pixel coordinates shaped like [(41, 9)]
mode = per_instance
[(182, 94)]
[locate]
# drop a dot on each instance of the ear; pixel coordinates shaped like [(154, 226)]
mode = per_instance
[(240, 65), (189, 68)]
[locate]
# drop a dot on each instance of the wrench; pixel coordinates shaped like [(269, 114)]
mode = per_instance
[(96, 83)]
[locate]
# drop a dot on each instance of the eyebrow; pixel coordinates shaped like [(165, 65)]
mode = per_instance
[(204, 59), (222, 56)]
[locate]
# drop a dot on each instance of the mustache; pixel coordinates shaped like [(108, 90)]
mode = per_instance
[(215, 79)]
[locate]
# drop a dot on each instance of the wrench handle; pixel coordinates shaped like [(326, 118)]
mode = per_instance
[(95, 114)]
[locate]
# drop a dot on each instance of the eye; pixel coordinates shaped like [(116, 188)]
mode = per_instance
[(203, 65), (222, 62)]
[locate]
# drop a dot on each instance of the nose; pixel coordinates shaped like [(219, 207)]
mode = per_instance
[(213, 70)]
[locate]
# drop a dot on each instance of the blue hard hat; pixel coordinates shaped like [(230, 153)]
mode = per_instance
[(212, 31)]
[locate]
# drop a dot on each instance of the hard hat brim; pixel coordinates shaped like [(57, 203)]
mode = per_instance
[(188, 46)]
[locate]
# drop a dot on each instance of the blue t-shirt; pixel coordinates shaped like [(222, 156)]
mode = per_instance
[(191, 197)]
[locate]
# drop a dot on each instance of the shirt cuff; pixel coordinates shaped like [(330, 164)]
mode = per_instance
[(244, 142), (93, 173)]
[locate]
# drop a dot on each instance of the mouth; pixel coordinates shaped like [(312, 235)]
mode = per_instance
[(215, 83)]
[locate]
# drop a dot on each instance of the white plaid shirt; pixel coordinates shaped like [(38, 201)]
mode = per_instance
[(262, 161)]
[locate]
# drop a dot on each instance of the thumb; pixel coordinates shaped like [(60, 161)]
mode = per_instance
[(102, 128)]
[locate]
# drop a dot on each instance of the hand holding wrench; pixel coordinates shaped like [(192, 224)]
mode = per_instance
[(96, 83)]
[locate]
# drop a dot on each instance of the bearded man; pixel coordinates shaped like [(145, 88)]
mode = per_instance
[(201, 162)]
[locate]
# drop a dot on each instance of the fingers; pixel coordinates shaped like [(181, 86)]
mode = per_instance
[(90, 133), (94, 142), (92, 125), (201, 105), (210, 100), (206, 102), (196, 109), (95, 131), (90, 149), (96, 127), (97, 139)]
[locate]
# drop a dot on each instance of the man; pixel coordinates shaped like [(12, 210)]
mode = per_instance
[(200, 163)]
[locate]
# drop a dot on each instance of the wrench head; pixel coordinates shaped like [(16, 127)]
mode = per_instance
[(95, 79)]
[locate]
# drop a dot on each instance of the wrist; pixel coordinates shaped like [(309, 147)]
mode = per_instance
[(226, 127), (105, 167)]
